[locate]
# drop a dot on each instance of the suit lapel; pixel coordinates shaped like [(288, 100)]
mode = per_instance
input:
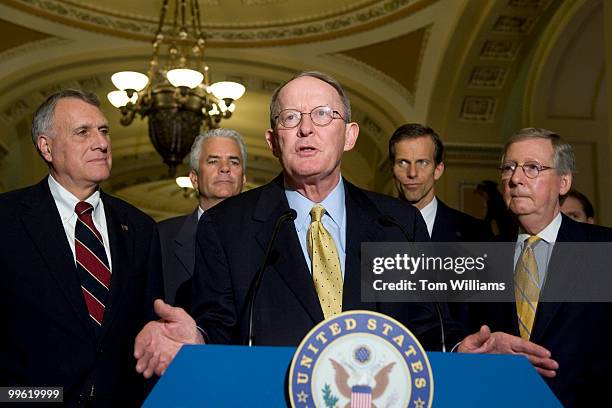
[(562, 268), (361, 226), (502, 316), (121, 247), (440, 225), (43, 223), (287, 257), (184, 243)]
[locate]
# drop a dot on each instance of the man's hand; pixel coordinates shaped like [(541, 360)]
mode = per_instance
[(159, 341), (484, 341)]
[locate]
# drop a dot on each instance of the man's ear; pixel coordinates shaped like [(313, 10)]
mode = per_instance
[(566, 183), (439, 170), (350, 135), (44, 144), (193, 176), (271, 139)]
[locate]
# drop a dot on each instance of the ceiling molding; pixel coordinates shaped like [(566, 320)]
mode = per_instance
[(32, 47), (280, 32), (14, 110), (403, 77), (472, 153)]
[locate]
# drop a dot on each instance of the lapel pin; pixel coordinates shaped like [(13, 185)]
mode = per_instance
[(124, 227)]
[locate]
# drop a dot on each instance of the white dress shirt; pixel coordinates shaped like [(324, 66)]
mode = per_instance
[(543, 248), (200, 212), (429, 214), (334, 220), (66, 201)]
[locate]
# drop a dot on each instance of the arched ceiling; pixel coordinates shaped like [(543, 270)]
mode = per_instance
[(231, 22), (450, 63)]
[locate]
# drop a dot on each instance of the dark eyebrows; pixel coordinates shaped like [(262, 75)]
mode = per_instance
[(80, 127), (216, 156)]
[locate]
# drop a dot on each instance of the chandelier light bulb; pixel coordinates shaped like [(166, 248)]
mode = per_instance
[(177, 102), (184, 182), (227, 90), (185, 77), (224, 108), (130, 80), (119, 98), (214, 111)]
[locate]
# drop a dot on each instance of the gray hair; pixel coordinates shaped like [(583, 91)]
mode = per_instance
[(43, 117), (346, 104), (196, 148), (564, 160)]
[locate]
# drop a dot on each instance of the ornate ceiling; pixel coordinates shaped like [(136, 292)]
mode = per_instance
[(458, 65), (230, 22)]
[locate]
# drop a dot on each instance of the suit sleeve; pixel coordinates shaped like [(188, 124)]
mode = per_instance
[(213, 306)]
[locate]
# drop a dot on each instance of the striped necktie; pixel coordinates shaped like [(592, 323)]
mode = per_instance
[(325, 264), (527, 287), (91, 262)]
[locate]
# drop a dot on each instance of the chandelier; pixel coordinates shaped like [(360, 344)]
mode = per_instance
[(175, 95)]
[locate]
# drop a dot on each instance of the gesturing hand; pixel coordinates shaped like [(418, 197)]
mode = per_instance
[(159, 341), (484, 341)]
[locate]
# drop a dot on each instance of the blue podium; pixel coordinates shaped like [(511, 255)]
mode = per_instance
[(238, 376)]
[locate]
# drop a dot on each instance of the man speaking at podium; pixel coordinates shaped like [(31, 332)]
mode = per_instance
[(313, 269)]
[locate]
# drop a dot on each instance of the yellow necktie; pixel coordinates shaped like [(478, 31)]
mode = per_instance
[(527, 287), (325, 264)]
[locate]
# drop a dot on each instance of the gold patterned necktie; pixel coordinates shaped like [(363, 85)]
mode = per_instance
[(325, 264), (527, 287)]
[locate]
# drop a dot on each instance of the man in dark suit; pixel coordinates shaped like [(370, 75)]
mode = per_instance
[(578, 335), (578, 207), (218, 163), (310, 130), (416, 154), (69, 317)]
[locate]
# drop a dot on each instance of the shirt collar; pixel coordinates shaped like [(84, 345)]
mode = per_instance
[(429, 213), (200, 212), (66, 201), (548, 234), (333, 204)]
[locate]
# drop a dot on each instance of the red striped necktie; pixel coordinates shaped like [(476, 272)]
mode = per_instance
[(91, 262)]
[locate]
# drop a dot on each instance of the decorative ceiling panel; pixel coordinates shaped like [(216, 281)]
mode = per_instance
[(18, 37), (407, 51), (231, 22)]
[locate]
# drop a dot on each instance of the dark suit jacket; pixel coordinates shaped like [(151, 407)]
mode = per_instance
[(48, 338), (579, 335), (231, 241), (177, 237), (451, 225)]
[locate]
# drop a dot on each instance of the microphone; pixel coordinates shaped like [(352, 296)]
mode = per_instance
[(288, 215), (389, 221)]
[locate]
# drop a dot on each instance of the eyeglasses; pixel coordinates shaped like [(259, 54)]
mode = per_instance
[(531, 170), (320, 116)]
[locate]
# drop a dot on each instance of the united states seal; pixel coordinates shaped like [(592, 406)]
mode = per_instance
[(360, 359)]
